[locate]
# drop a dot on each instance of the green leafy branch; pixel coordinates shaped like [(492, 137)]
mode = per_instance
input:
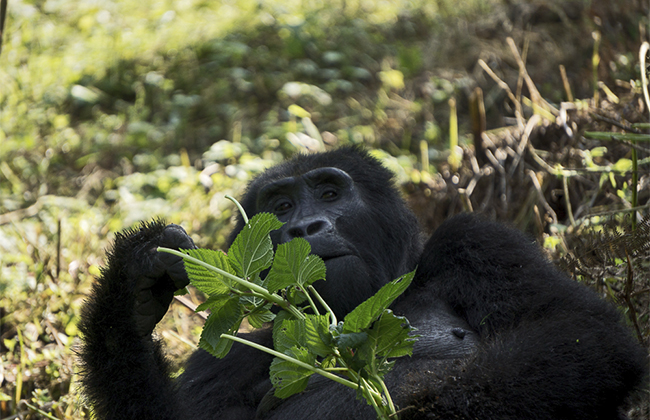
[(356, 352)]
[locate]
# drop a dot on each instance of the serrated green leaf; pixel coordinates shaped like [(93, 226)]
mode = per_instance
[(220, 349), (257, 319), (225, 318), (287, 377), (351, 340), (252, 250), (328, 362), (317, 335), (366, 313), (290, 334), (280, 317), (251, 302), (293, 265), (389, 337), (211, 303), (208, 281)]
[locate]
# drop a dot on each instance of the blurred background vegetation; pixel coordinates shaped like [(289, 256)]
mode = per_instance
[(116, 111)]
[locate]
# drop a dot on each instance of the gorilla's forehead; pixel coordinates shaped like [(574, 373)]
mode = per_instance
[(356, 162), (368, 176), (311, 179)]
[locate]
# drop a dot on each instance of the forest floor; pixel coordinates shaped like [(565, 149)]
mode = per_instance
[(529, 112)]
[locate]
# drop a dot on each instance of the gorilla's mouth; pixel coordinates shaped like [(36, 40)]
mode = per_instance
[(337, 258), (341, 266), (327, 258)]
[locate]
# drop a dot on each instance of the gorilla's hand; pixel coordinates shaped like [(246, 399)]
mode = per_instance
[(158, 275)]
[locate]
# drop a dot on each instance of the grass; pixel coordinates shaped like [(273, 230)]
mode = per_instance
[(119, 111)]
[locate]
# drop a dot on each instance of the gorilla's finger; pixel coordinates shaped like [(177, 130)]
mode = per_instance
[(143, 296), (174, 236), (147, 282), (178, 274)]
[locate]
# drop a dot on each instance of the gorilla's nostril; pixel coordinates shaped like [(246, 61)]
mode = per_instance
[(459, 332), (314, 228)]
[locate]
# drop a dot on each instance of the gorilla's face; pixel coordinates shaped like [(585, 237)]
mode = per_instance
[(324, 206)]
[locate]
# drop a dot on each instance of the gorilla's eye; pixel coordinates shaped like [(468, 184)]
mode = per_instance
[(282, 207), (329, 195)]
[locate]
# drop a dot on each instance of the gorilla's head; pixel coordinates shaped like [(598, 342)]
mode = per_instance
[(345, 204)]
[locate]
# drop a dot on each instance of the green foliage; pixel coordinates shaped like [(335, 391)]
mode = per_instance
[(293, 265), (305, 343), (135, 87), (363, 315), (287, 377), (117, 111), (252, 250), (209, 282)]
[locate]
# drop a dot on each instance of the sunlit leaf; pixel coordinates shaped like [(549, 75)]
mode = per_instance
[(366, 313), (317, 335), (294, 266), (252, 250), (287, 377), (258, 319), (225, 318), (291, 333), (204, 279)]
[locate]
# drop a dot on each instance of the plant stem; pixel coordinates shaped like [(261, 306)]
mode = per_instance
[(271, 297), (375, 399), (391, 406), (311, 302), (634, 186), (325, 305), (283, 356), (595, 61), (241, 209)]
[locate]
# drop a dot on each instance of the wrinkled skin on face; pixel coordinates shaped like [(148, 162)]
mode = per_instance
[(324, 207)]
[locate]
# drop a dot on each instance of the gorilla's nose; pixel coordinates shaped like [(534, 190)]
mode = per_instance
[(307, 228)]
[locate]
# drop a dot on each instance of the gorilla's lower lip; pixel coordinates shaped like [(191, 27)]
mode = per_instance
[(333, 257)]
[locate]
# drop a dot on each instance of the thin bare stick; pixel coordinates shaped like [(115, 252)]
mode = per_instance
[(183, 300), (535, 96), (503, 85), (644, 77), (538, 187), (565, 82), (532, 123), (565, 185), (618, 124)]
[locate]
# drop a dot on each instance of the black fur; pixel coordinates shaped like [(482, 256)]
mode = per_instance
[(551, 348), (124, 374), (504, 335)]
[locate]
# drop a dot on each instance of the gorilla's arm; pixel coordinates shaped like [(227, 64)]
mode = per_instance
[(230, 388), (125, 374), (550, 346)]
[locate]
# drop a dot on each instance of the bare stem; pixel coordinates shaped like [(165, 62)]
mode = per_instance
[(241, 209), (283, 356), (322, 302)]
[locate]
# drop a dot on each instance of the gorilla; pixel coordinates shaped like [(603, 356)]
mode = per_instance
[(503, 334)]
